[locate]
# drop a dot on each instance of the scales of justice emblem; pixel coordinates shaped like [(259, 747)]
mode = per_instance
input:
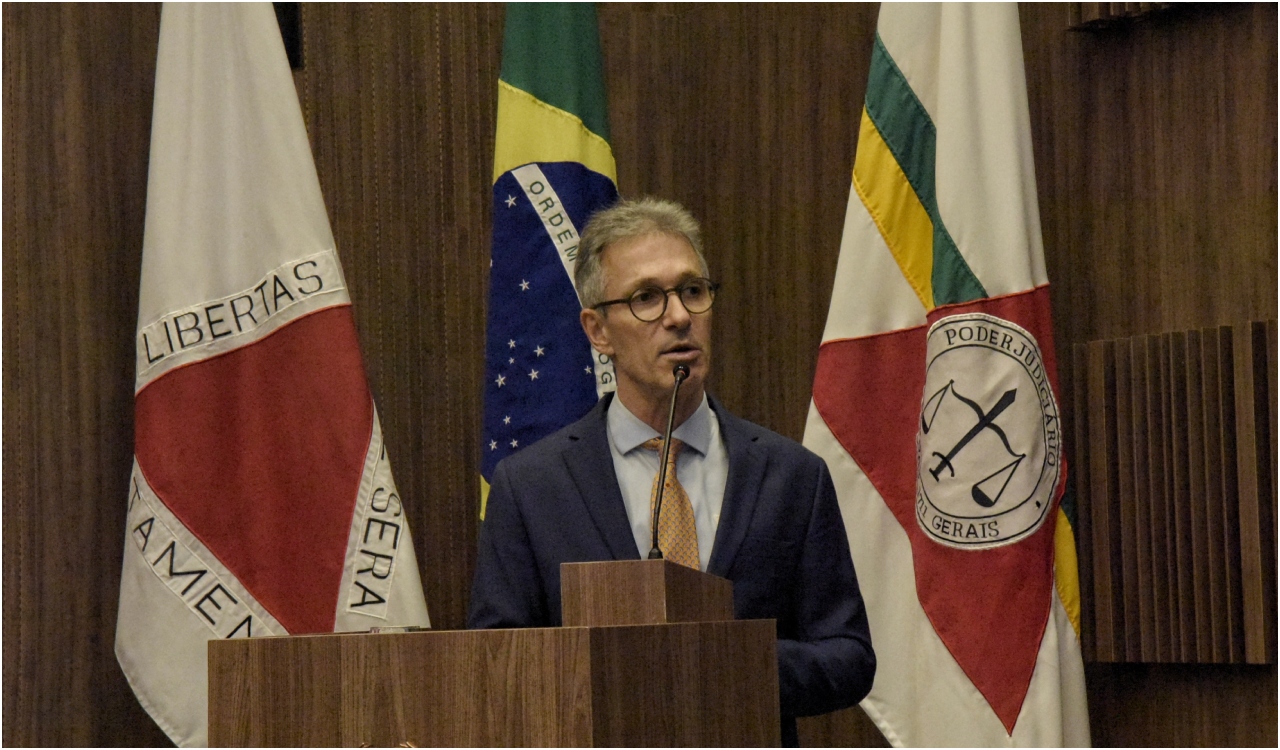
[(988, 449)]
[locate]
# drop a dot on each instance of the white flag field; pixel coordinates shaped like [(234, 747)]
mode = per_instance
[(261, 500), (935, 400)]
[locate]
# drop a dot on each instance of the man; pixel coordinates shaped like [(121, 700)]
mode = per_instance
[(746, 504)]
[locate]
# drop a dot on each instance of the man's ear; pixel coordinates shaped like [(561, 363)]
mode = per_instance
[(597, 330)]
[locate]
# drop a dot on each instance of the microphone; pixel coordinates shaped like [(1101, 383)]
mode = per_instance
[(680, 372)]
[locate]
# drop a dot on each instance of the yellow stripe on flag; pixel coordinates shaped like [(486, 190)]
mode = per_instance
[(484, 497), (1066, 576), (896, 209), (531, 130)]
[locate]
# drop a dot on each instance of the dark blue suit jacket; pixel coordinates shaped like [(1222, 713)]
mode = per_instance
[(780, 540)]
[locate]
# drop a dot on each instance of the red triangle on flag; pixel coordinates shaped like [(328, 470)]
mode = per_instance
[(988, 606), (259, 452)]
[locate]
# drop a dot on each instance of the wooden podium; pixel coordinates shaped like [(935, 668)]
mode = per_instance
[(649, 655)]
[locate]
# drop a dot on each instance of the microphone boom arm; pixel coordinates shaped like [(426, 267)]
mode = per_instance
[(680, 372)]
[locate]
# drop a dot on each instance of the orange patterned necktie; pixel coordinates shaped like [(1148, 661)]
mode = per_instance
[(677, 533)]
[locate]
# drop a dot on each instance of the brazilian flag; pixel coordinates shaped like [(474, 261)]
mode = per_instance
[(552, 168)]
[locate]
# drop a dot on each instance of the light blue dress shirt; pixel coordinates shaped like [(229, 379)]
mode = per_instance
[(702, 468)]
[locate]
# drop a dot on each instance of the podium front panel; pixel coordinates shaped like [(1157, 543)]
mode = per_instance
[(705, 684), (497, 688), (686, 684)]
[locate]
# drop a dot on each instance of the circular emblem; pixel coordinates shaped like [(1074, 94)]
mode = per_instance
[(988, 449)]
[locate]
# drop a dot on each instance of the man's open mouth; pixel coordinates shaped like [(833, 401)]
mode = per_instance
[(682, 350)]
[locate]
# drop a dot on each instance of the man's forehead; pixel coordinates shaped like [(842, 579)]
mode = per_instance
[(645, 281), (654, 258)]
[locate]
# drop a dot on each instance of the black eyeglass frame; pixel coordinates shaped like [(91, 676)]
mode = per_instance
[(712, 288)]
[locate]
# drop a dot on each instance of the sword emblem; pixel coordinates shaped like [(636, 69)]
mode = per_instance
[(985, 421)]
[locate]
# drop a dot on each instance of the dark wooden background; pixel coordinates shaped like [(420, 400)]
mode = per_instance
[(1155, 143)]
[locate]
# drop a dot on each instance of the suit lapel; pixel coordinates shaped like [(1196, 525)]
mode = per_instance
[(746, 471), (590, 463)]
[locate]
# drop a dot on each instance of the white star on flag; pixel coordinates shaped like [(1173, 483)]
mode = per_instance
[(511, 344), (511, 201), (533, 374), (524, 285), (539, 351), (493, 445), (515, 443), (501, 381), (506, 419)]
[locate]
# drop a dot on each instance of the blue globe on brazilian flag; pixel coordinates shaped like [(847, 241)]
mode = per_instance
[(552, 169)]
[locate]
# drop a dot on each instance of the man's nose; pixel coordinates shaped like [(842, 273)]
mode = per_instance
[(676, 315)]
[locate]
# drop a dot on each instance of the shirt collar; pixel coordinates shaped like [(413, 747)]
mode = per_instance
[(629, 433)]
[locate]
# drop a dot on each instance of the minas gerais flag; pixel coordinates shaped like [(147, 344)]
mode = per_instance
[(261, 501), (935, 401), (552, 169)]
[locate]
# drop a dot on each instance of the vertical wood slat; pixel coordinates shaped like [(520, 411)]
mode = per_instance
[(1107, 579), (1159, 511), (1230, 504), (1202, 651), (1079, 476), (1273, 369), (1170, 537), (1125, 496), (1247, 487), (1272, 410), (1257, 561), (1264, 374), (1139, 373), (1215, 565), (1180, 498)]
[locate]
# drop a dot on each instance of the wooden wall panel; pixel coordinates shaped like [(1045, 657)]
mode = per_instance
[(1154, 148), (1162, 705), (1155, 145), (77, 121), (1242, 547)]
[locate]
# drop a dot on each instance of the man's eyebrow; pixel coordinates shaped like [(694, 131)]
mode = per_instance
[(653, 281)]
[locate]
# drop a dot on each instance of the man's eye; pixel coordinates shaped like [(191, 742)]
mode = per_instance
[(694, 290), (646, 296)]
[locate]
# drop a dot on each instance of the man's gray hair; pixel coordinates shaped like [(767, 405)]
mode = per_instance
[(625, 220)]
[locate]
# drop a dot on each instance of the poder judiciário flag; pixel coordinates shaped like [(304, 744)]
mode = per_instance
[(935, 397), (552, 168), (261, 501)]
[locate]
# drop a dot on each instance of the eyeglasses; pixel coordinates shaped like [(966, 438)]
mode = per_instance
[(649, 303)]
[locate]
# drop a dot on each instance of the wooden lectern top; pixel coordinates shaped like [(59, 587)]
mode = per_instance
[(641, 592)]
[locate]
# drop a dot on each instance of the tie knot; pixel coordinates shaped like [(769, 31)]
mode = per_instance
[(655, 444)]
